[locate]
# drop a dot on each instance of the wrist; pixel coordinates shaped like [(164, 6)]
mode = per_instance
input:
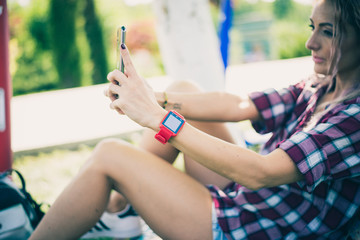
[(156, 120), (170, 126)]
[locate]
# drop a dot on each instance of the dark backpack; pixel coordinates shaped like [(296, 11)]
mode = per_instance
[(19, 213)]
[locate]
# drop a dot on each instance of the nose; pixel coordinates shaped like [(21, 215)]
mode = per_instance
[(312, 43)]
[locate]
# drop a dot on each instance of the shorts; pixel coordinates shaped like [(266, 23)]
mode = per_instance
[(218, 234)]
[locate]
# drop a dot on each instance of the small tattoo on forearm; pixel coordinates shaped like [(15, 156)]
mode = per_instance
[(177, 106)]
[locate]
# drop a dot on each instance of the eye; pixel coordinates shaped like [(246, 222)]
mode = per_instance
[(328, 33), (311, 27)]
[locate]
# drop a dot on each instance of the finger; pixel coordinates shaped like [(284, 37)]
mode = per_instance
[(130, 69), (114, 89), (110, 95), (114, 97), (107, 92), (116, 77), (119, 111), (115, 107), (113, 92)]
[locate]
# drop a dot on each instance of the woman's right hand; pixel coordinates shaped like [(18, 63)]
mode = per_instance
[(131, 95)]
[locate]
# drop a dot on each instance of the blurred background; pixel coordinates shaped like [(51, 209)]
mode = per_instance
[(45, 32), (69, 44)]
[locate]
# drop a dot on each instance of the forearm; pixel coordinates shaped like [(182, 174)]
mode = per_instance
[(239, 164), (210, 106), (231, 161)]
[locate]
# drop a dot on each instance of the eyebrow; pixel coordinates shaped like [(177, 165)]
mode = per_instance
[(323, 24)]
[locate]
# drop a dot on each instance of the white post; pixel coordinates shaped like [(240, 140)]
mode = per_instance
[(188, 42)]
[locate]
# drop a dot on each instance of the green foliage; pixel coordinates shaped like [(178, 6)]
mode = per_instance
[(94, 35), (38, 28), (139, 22), (287, 35), (246, 7), (34, 74), (34, 71), (292, 32), (58, 44), (78, 44), (66, 56), (282, 8), (291, 39)]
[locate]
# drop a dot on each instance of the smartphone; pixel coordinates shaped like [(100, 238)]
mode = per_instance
[(121, 32)]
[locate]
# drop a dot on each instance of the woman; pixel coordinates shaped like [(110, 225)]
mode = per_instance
[(306, 185)]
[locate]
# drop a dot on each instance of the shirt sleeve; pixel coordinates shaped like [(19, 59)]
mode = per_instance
[(275, 106), (328, 151)]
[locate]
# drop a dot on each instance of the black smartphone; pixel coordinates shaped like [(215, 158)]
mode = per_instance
[(121, 32)]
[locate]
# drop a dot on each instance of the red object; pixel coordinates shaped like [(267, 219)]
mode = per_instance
[(170, 126), (5, 91)]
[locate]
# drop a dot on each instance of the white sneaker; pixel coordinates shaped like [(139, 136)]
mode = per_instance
[(124, 224)]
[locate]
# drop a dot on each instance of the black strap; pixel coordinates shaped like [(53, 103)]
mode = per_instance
[(37, 207), (22, 180)]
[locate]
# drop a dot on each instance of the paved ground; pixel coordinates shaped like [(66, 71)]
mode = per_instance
[(51, 119)]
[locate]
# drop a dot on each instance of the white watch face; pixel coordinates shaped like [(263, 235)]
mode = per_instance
[(173, 122)]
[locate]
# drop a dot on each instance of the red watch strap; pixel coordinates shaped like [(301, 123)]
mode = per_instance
[(163, 136)]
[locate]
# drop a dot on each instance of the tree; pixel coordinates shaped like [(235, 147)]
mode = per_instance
[(282, 8), (94, 35), (188, 42), (66, 55), (33, 70)]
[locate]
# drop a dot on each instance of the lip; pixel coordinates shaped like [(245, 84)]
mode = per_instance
[(317, 59)]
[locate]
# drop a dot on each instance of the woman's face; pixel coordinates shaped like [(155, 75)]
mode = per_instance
[(322, 25)]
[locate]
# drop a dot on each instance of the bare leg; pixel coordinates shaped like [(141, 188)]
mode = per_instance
[(173, 204), (117, 202)]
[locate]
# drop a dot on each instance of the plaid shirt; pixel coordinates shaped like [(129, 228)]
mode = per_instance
[(317, 207)]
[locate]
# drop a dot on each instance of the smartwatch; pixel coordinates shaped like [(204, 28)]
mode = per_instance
[(170, 126)]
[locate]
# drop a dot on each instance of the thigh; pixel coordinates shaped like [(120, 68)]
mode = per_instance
[(173, 204)]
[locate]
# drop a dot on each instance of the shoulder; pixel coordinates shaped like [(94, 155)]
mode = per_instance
[(347, 109)]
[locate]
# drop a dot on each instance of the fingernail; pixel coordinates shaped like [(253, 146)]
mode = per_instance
[(123, 46)]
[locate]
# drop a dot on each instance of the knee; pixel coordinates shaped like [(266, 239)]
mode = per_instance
[(107, 151), (184, 86)]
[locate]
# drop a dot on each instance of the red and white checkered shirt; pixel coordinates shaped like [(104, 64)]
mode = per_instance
[(327, 155)]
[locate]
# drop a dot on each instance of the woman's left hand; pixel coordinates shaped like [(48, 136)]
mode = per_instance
[(131, 95)]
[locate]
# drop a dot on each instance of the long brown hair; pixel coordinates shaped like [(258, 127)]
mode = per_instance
[(347, 12)]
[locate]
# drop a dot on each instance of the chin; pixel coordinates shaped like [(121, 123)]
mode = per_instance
[(321, 70)]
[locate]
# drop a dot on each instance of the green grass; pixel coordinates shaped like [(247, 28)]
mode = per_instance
[(47, 174)]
